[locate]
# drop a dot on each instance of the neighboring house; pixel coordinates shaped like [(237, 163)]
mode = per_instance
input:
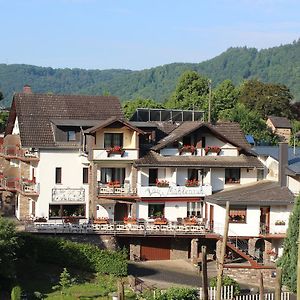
[(44, 167), (281, 127), (156, 187)]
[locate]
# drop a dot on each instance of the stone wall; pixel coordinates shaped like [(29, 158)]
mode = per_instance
[(179, 248), (7, 205), (251, 276)]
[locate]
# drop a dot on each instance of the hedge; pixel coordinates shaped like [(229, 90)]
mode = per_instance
[(65, 253)]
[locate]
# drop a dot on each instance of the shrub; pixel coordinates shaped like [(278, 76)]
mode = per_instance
[(65, 253), (172, 294), (226, 281), (16, 293)]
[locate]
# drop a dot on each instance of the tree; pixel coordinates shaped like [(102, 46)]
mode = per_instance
[(224, 97), (288, 261), (129, 107), (266, 98), (65, 281), (191, 92), (250, 122), (1, 96), (8, 247)]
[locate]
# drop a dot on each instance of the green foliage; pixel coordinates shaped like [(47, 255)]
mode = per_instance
[(224, 97), (65, 281), (278, 65), (226, 281), (191, 92), (172, 294), (130, 106), (266, 98), (3, 119), (250, 122), (70, 254), (8, 247), (288, 261), (16, 293)]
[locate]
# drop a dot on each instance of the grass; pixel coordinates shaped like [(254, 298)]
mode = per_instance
[(37, 277)]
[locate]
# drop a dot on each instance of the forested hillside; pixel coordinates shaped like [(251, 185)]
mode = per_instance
[(278, 65)]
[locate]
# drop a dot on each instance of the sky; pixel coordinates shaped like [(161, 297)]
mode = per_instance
[(139, 34)]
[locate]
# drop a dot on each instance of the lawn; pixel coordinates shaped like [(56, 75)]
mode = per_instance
[(37, 278)]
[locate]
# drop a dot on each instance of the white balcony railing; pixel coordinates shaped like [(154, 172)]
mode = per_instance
[(124, 189), (128, 154), (174, 191)]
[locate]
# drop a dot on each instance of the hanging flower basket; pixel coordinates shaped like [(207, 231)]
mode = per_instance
[(212, 149), (115, 150)]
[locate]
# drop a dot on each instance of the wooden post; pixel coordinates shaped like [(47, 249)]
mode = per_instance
[(261, 286), (223, 253), (298, 267), (278, 284), (204, 273)]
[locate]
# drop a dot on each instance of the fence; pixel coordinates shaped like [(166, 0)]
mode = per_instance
[(268, 296)]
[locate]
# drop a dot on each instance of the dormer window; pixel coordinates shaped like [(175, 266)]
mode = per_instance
[(113, 139), (71, 135)]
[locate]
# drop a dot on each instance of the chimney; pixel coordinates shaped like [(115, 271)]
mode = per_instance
[(27, 89), (283, 163)]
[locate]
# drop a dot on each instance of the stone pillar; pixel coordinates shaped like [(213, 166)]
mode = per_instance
[(218, 251), (194, 250), (251, 246), (135, 250), (133, 210), (109, 241), (92, 190), (268, 248)]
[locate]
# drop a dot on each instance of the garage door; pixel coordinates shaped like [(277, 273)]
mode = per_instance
[(155, 249)]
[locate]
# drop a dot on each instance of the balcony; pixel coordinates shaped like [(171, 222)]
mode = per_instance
[(174, 191), (121, 189), (120, 228), (23, 186), (14, 152), (106, 154)]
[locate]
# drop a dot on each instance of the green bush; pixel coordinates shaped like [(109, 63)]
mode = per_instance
[(71, 254), (172, 294), (16, 293), (226, 281)]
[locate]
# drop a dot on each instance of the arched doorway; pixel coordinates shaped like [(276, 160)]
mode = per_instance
[(259, 249)]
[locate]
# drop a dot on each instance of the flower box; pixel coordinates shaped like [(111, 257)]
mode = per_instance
[(192, 183), (212, 149), (160, 221), (129, 220), (115, 150), (162, 183), (114, 184), (187, 148), (279, 222), (101, 221)]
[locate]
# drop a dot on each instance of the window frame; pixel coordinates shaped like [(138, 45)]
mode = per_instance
[(238, 214), (71, 137), (85, 175), (153, 180), (58, 175), (109, 141), (230, 176)]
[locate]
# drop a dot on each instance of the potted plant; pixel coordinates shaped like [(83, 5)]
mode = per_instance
[(101, 220), (187, 148), (190, 221), (160, 221), (279, 222), (130, 220)]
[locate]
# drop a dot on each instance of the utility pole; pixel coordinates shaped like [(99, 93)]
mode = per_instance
[(261, 286), (278, 284), (209, 102), (298, 266), (223, 253), (204, 273)]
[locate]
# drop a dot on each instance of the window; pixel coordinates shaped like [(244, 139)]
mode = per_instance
[(113, 139), (153, 175), (193, 174), (85, 175), (203, 144), (237, 214), (71, 135), (58, 175), (232, 175), (186, 140), (63, 210), (194, 209), (260, 174), (156, 210), (112, 174)]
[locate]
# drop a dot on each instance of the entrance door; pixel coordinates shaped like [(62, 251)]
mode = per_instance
[(211, 217), (265, 220), (121, 211)]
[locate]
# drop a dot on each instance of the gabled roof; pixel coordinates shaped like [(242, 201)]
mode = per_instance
[(259, 193), (110, 121), (273, 151), (35, 112), (227, 131), (280, 122), (153, 159)]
